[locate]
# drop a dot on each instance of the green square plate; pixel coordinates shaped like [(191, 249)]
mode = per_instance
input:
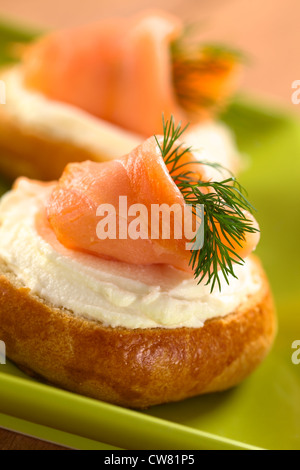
[(263, 412)]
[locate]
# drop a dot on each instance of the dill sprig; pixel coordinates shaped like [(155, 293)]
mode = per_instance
[(203, 73), (224, 205)]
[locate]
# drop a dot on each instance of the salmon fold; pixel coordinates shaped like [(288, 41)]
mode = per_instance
[(131, 210), (118, 69)]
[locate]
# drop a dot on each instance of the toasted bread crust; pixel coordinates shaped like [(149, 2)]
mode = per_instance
[(42, 153), (140, 367), (25, 152), (38, 153)]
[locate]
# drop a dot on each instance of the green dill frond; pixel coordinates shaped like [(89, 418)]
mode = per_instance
[(203, 73), (225, 203)]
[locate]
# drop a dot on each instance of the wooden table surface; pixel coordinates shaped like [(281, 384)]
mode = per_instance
[(13, 441), (266, 30)]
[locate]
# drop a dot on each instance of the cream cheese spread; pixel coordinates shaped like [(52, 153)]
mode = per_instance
[(64, 122), (114, 293), (212, 141)]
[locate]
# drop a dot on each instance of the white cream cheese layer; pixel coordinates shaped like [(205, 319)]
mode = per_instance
[(114, 293), (64, 122), (213, 141)]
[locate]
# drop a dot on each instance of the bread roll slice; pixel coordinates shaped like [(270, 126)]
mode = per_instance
[(39, 136), (135, 368)]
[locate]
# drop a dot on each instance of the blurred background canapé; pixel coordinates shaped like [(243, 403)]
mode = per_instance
[(268, 31)]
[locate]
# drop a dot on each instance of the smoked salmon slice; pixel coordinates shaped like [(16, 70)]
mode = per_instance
[(144, 179), (127, 72), (118, 70)]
